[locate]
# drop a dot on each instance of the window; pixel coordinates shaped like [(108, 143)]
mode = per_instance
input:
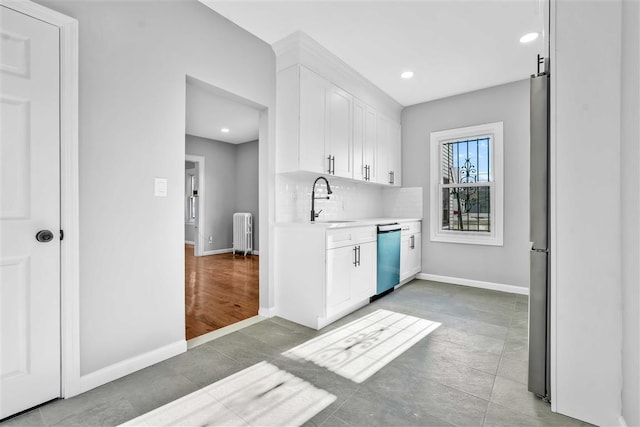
[(467, 185)]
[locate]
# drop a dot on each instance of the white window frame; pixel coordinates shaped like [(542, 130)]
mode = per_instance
[(496, 184)]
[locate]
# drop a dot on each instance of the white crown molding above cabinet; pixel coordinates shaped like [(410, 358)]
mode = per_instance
[(299, 48)]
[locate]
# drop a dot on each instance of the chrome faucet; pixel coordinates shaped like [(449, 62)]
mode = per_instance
[(315, 215)]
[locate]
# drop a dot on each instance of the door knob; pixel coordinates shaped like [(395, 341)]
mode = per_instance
[(44, 236)]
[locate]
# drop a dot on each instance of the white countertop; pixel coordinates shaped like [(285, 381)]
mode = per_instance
[(320, 224)]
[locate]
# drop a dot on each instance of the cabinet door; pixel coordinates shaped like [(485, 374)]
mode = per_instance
[(339, 137), (359, 111), (405, 255), (410, 255), (395, 154), (339, 267), (370, 138), (383, 132), (313, 96), (416, 255), (363, 280)]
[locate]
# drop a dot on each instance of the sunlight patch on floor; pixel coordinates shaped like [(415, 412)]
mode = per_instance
[(363, 347), (261, 395)]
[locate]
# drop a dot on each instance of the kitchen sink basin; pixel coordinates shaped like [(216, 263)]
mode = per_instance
[(333, 222)]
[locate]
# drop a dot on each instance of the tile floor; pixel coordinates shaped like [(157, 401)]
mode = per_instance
[(470, 371)]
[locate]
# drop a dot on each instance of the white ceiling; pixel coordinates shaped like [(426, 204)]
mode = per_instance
[(209, 109), (453, 46)]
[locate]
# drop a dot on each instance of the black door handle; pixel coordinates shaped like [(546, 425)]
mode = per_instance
[(44, 236)]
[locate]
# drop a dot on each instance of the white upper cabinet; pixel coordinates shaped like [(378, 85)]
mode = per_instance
[(329, 119), (338, 145), (395, 154), (388, 153), (364, 141), (312, 126), (317, 132)]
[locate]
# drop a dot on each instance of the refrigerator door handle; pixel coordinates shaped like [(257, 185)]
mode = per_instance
[(534, 249)]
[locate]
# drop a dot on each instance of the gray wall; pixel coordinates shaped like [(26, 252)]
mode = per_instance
[(133, 60), (231, 185), (630, 157), (508, 103), (247, 184)]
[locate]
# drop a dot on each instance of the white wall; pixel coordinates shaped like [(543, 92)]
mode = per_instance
[(585, 254), (509, 264), (630, 211), (134, 57)]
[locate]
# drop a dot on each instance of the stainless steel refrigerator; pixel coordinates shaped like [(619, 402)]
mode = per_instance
[(539, 369)]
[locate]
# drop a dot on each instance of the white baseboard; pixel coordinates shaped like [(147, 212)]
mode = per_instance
[(475, 283), (267, 312), (217, 251), (128, 366), (188, 242), (622, 422)]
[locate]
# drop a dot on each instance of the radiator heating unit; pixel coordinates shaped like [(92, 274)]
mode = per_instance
[(242, 233)]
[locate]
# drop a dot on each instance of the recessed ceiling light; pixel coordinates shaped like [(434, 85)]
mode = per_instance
[(407, 74), (224, 130), (527, 38)]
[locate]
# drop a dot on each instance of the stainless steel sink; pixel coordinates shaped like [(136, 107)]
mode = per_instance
[(333, 222)]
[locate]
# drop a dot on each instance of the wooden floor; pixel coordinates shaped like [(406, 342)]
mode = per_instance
[(219, 290)]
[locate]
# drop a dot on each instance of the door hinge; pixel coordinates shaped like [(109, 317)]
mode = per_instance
[(61, 234)]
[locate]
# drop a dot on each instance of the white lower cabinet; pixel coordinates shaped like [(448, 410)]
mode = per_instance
[(339, 266), (410, 250), (323, 274), (351, 276)]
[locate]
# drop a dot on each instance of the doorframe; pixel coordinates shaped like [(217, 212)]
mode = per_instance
[(69, 190), (199, 238)]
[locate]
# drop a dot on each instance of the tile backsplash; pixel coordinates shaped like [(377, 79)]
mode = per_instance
[(405, 202), (350, 199)]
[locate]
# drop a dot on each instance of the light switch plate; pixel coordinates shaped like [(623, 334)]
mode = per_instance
[(160, 187)]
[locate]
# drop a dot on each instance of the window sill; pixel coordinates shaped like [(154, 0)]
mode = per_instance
[(463, 238)]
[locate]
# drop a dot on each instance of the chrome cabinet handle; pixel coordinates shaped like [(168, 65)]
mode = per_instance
[(413, 242), (329, 159), (356, 256), (392, 177)]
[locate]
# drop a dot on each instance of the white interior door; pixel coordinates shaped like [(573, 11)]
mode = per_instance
[(29, 203)]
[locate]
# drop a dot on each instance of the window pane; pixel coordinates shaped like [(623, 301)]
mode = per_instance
[(466, 209), (466, 161)]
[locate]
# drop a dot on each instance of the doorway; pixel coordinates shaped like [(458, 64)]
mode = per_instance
[(221, 179)]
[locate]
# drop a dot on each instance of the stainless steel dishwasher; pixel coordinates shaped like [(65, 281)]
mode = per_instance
[(388, 258)]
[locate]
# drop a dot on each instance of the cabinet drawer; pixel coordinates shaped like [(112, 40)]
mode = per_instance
[(409, 228), (350, 236)]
